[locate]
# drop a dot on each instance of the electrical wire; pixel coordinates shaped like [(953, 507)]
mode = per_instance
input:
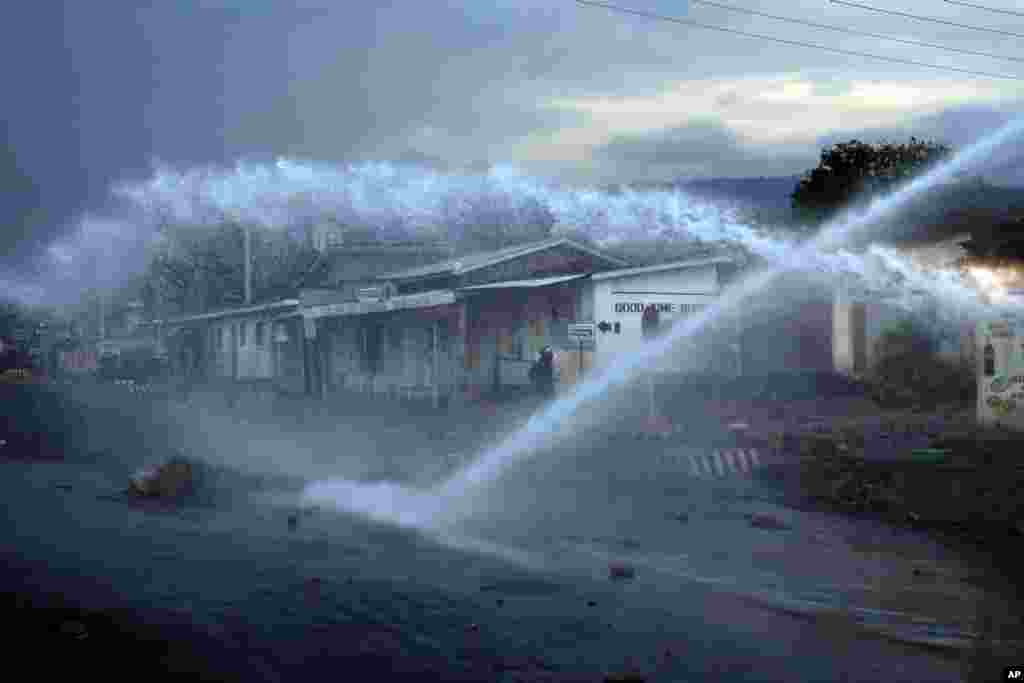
[(828, 27), (687, 22), (996, 10), (933, 20)]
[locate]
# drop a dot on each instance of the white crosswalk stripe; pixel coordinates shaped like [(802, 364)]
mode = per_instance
[(741, 458), (717, 464)]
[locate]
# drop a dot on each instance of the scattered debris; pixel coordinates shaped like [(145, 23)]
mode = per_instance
[(313, 590), (763, 521), (63, 487), (74, 629), (680, 517), (591, 603), (473, 627), (618, 571), (625, 678)]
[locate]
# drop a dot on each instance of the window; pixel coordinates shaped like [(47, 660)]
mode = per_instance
[(258, 338)]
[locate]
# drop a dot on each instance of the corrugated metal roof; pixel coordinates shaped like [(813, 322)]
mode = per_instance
[(430, 299), (516, 284), (241, 310), (674, 265), (470, 262)]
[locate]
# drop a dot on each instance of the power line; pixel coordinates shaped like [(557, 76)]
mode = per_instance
[(687, 22), (828, 27), (996, 10), (918, 17)]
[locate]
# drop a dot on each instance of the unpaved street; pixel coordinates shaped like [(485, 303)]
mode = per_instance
[(816, 598)]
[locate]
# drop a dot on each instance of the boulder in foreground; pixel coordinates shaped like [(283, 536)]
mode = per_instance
[(171, 479)]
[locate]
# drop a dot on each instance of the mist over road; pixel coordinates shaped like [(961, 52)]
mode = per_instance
[(338, 593)]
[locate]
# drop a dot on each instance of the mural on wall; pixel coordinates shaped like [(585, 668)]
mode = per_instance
[(1001, 384)]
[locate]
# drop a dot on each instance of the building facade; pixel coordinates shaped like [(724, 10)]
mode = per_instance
[(252, 344), (459, 329)]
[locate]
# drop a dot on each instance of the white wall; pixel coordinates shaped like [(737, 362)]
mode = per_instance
[(622, 300)]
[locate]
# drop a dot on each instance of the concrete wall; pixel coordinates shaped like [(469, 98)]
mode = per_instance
[(849, 337)]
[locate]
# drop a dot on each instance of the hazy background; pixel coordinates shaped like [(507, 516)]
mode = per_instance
[(95, 91)]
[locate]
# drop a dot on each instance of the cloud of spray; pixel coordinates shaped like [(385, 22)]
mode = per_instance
[(105, 251), (292, 191), (289, 191), (462, 494)]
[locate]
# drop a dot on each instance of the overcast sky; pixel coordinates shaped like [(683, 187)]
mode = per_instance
[(93, 91)]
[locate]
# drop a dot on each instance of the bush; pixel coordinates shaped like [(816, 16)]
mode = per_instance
[(906, 379)]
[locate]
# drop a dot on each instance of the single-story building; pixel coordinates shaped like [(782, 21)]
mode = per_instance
[(453, 329), (462, 327), (260, 343)]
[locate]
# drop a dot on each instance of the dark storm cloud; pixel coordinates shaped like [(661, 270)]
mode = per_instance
[(95, 90), (101, 88)]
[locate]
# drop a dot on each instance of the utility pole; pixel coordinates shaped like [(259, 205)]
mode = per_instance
[(101, 304), (248, 263)]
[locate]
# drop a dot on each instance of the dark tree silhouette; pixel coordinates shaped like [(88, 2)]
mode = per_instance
[(851, 172)]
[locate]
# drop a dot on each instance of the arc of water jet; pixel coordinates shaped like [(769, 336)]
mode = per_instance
[(460, 492)]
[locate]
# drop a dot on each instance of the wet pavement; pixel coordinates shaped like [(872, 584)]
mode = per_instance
[(520, 592)]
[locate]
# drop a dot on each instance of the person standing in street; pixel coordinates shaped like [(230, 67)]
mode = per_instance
[(542, 373)]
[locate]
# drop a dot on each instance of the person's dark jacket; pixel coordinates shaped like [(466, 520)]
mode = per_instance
[(542, 373)]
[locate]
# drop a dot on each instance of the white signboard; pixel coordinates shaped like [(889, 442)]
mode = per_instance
[(370, 294), (582, 336), (582, 330)]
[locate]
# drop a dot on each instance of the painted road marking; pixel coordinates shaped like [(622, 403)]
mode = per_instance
[(717, 464)]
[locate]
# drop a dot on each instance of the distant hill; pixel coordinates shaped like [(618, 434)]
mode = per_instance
[(763, 192)]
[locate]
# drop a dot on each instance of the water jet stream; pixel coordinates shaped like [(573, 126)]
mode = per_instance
[(457, 498)]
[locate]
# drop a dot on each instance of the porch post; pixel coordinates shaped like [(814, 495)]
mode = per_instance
[(364, 361), (323, 343), (435, 374)]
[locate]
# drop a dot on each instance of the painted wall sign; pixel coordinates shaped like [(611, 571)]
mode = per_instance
[(669, 308), (1001, 373)]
